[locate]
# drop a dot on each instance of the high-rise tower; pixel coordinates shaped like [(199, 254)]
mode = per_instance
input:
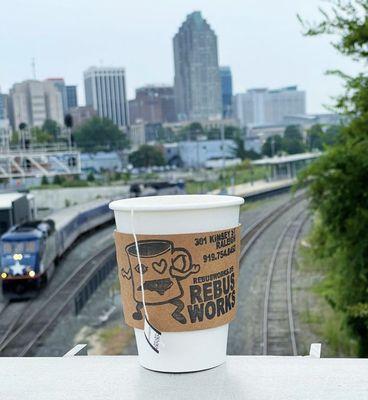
[(227, 91), (197, 77), (105, 90)]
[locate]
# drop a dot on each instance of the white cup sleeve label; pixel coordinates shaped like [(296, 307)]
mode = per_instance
[(186, 281)]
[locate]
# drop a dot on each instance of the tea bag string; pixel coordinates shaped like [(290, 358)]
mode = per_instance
[(139, 262)]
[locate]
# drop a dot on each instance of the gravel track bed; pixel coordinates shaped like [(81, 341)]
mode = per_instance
[(245, 332)]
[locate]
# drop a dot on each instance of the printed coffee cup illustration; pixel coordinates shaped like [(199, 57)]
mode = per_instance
[(163, 269), (182, 281)]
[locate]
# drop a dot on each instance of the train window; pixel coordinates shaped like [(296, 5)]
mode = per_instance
[(7, 248), (18, 247), (30, 247)]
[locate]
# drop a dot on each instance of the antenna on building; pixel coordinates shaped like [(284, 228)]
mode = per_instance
[(33, 65)]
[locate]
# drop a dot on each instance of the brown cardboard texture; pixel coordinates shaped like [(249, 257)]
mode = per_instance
[(189, 280)]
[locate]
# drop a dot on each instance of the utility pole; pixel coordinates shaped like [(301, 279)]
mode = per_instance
[(223, 145), (224, 191)]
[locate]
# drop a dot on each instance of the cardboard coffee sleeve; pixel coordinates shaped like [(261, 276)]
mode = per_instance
[(189, 280)]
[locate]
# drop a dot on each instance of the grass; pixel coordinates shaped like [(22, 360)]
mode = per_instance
[(324, 321), (114, 339), (242, 174)]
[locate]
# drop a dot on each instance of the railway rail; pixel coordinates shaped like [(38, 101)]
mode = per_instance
[(10, 315), (24, 334), (278, 330), (25, 337), (251, 234)]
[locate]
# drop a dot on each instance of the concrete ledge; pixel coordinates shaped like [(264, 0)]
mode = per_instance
[(242, 377)]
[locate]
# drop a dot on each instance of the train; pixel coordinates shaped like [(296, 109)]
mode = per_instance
[(30, 250)]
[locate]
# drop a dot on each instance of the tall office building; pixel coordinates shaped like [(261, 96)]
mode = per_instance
[(71, 97), (3, 106), (197, 79), (32, 102), (263, 106), (153, 104), (5, 132), (226, 91), (59, 83), (105, 90)]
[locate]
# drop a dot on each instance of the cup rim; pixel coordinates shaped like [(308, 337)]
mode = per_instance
[(176, 202)]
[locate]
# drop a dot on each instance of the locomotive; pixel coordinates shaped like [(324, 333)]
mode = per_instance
[(30, 250)]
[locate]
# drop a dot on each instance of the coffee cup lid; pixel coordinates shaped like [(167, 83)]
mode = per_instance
[(176, 202)]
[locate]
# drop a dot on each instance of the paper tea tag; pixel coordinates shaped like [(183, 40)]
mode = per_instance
[(153, 336)]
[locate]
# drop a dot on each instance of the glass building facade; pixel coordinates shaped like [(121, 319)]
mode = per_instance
[(226, 91), (71, 96)]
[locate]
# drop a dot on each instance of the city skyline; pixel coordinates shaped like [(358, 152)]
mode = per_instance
[(263, 50)]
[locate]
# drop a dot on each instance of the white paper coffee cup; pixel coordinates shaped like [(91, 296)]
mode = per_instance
[(191, 350)]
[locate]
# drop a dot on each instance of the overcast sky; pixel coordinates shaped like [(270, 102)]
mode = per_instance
[(260, 40)]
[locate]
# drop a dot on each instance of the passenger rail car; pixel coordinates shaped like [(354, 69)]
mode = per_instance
[(29, 250)]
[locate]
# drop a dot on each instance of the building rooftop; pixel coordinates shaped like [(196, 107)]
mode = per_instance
[(6, 199), (286, 159), (242, 377)]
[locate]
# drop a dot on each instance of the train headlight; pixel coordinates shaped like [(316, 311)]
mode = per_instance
[(32, 274), (17, 257), (3, 275)]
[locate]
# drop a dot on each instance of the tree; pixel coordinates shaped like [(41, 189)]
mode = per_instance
[(58, 180), (14, 138), (214, 134), (165, 135), (90, 177), (240, 152), (99, 134), (315, 138), (332, 134), (40, 136), (272, 146), (232, 132), (191, 132), (51, 127), (44, 180), (292, 142), (338, 189), (147, 156)]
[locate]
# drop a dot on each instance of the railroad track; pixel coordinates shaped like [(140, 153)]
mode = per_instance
[(251, 234), (278, 330), (21, 339), (10, 315), (25, 337)]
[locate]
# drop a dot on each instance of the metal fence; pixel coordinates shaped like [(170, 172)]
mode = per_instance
[(93, 282)]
